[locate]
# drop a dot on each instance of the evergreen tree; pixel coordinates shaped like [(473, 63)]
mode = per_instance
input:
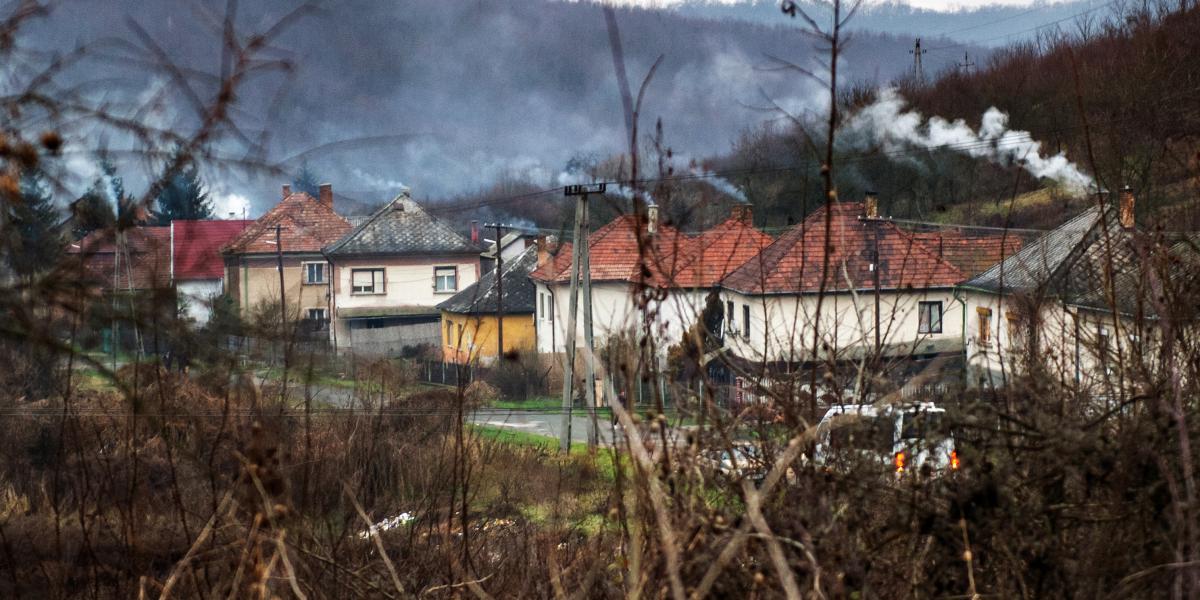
[(37, 242), (101, 205), (306, 181), (181, 195)]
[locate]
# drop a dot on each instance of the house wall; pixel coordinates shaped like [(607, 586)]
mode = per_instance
[(1077, 347), (408, 280), (409, 285), (254, 280), (781, 326), (386, 337), (466, 338), (196, 296), (614, 311)]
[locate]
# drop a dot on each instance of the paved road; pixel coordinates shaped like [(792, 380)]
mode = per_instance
[(543, 423)]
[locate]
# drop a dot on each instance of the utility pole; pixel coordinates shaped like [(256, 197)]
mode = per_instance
[(499, 293), (579, 249), (966, 64), (593, 433), (279, 262), (917, 52)]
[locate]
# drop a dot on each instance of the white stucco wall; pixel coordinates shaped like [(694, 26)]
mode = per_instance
[(1068, 344), (781, 326), (196, 296), (408, 280), (614, 310)]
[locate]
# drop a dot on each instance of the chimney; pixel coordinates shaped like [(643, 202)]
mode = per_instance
[(652, 219), (871, 206), (743, 213), (544, 243), (287, 191), (475, 232), (325, 193), (1125, 215)]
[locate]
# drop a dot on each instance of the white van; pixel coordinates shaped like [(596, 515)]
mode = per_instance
[(911, 437)]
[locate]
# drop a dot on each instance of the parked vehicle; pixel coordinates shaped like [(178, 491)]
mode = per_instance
[(911, 437)]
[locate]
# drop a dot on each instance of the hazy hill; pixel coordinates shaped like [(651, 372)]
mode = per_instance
[(448, 97)]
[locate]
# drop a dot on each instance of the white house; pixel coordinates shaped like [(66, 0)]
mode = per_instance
[(774, 300)]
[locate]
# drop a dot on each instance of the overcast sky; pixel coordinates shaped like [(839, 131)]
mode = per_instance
[(942, 5)]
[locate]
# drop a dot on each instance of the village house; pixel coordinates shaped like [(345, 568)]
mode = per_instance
[(197, 268), (659, 291), (294, 232), (471, 317), (389, 275), (774, 300), (1082, 302)]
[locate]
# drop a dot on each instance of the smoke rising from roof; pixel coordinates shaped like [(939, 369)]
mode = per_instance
[(893, 129)]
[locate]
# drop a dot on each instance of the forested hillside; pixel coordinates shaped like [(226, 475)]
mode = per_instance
[(1119, 99)]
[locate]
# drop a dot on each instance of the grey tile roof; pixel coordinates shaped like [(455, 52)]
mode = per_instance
[(1093, 262), (1033, 266), (401, 227), (519, 290)]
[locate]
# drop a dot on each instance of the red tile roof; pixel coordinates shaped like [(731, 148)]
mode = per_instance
[(145, 262), (197, 247), (558, 259), (794, 262), (672, 258), (973, 253), (721, 250), (307, 226)]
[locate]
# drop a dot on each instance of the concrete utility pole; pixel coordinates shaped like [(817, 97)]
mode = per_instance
[(588, 336), (917, 52), (579, 260)]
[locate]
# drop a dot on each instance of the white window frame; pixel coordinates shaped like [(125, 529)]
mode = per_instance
[(321, 311), (437, 275), (324, 272), (927, 326), (378, 284)]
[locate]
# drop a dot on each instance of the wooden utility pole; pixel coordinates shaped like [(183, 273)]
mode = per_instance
[(499, 294), (579, 249)]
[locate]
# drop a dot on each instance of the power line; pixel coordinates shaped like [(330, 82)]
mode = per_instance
[(1042, 26)]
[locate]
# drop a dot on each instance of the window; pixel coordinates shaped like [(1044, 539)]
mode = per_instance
[(366, 281), (445, 279), (1102, 344), (1016, 335), (985, 325), (449, 333), (730, 318), (929, 316), (314, 273), (746, 321), (316, 314)]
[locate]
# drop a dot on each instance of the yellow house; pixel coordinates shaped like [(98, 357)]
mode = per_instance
[(469, 321), (293, 232)]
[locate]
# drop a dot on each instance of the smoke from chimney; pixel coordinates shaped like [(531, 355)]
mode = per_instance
[(894, 129)]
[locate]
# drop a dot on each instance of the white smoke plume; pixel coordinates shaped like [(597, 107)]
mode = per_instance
[(723, 185), (895, 129)]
